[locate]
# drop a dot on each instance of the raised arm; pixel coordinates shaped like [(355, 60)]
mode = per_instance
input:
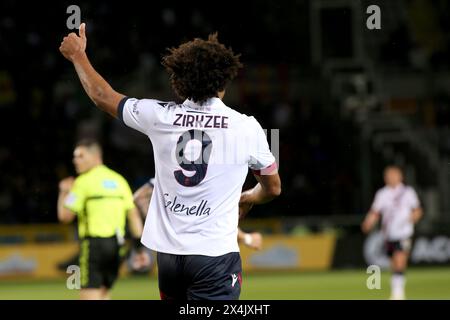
[(101, 93)]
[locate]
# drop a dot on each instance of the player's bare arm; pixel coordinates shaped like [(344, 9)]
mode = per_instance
[(252, 240), (140, 259), (370, 221), (142, 198), (416, 215), (135, 223), (267, 189), (73, 48), (65, 215)]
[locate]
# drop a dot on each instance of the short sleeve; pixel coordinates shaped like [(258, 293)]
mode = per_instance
[(414, 199), (261, 159), (377, 204), (139, 114), (76, 198)]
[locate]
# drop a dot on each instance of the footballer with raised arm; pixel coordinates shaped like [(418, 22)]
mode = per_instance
[(202, 151)]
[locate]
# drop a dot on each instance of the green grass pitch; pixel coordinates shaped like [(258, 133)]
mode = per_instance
[(422, 283)]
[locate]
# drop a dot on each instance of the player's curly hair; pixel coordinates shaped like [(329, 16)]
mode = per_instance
[(199, 69)]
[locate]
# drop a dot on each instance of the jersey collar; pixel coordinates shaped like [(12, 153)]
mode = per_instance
[(207, 105), (398, 187), (95, 168)]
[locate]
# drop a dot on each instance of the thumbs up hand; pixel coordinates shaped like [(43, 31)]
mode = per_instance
[(73, 45)]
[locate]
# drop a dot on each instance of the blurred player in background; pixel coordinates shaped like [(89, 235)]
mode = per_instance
[(192, 223), (102, 201), (399, 209), (143, 195)]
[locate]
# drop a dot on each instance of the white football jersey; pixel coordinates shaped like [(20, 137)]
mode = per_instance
[(202, 155), (395, 206)]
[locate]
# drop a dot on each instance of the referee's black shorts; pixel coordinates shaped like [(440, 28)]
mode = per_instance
[(196, 277), (99, 262)]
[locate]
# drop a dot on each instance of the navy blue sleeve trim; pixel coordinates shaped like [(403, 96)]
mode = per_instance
[(120, 108)]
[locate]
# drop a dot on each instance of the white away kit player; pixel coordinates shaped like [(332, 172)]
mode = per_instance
[(399, 209), (203, 150)]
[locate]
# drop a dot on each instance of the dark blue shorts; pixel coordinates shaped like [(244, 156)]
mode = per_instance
[(196, 277), (399, 245)]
